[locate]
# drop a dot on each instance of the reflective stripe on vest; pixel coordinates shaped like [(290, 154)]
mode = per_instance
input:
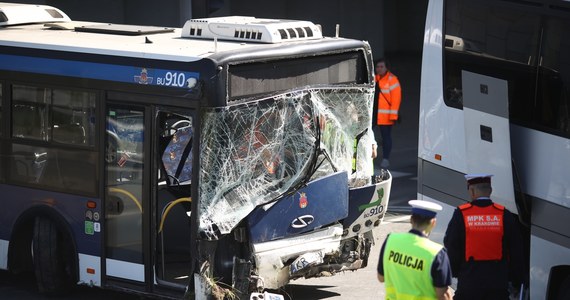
[(483, 231), (387, 111), (407, 263)]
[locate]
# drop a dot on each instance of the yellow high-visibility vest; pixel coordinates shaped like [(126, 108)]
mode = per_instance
[(407, 266)]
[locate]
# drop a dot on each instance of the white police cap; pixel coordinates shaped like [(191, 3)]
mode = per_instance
[(478, 178), (425, 208)]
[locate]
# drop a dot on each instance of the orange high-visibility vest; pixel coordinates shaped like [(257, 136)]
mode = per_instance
[(389, 98), (483, 231)]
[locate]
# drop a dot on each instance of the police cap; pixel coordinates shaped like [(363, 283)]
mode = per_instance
[(478, 178), (424, 208)]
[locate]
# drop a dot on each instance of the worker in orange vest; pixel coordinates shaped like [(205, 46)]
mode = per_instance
[(388, 97)]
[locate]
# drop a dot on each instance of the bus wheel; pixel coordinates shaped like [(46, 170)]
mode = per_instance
[(52, 258)]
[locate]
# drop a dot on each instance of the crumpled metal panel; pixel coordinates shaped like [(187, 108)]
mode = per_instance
[(252, 154)]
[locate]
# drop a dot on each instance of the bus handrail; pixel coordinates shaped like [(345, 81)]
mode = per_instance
[(168, 207), (128, 194)]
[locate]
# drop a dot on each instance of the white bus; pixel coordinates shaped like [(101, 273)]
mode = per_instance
[(229, 156), (495, 98)]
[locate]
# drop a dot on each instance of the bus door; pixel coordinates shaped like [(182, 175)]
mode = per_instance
[(148, 201), (487, 134), (126, 191), (174, 159)]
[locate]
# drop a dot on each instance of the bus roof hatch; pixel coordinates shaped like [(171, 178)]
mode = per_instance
[(16, 14), (251, 29)]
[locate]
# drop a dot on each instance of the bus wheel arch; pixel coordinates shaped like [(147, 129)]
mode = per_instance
[(19, 251), (44, 246)]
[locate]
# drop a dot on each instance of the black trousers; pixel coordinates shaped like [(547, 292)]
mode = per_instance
[(481, 294)]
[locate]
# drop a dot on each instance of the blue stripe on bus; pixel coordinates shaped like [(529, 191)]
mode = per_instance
[(91, 70)]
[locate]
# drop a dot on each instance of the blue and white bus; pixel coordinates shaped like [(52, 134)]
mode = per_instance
[(228, 156), (495, 98)]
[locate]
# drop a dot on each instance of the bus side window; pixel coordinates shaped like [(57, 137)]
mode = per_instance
[(69, 134), (553, 102), (177, 157), (25, 121), (176, 150), (55, 117), (72, 115)]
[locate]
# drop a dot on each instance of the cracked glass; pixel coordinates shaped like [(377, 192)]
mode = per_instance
[(252, 154)]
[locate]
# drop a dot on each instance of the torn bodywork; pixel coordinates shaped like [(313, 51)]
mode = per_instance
[(286, 187)]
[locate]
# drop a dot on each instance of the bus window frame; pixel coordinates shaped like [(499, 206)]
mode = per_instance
[(91, 151), (274, 75)]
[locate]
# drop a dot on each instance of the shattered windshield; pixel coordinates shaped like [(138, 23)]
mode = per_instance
[(254, 153)]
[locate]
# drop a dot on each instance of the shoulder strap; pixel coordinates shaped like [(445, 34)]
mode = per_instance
[(465, 206), (498, 206)]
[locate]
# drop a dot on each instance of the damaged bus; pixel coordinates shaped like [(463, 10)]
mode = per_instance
[(226, 157)]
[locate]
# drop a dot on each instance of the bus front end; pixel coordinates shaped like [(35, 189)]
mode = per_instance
[(287, 188)]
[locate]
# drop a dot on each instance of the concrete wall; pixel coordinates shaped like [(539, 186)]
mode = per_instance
[(390, 26)]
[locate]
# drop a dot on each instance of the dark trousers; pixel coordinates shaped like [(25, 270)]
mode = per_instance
[(386, 134), (481, 294)]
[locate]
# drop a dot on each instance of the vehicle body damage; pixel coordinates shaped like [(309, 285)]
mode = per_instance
[(287, 189)]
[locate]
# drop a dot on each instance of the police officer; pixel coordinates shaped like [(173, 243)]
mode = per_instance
[(484, 245), (410, 265)]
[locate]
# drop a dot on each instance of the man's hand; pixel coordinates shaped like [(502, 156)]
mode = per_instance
[(443, 293)]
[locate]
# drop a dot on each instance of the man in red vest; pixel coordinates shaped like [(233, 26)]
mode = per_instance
[(386, 107), (484, 245)]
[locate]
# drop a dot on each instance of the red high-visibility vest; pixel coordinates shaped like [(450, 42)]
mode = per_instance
[(389, 98), (484, 231)]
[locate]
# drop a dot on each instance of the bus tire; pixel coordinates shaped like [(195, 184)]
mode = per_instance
[(51, 257)]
